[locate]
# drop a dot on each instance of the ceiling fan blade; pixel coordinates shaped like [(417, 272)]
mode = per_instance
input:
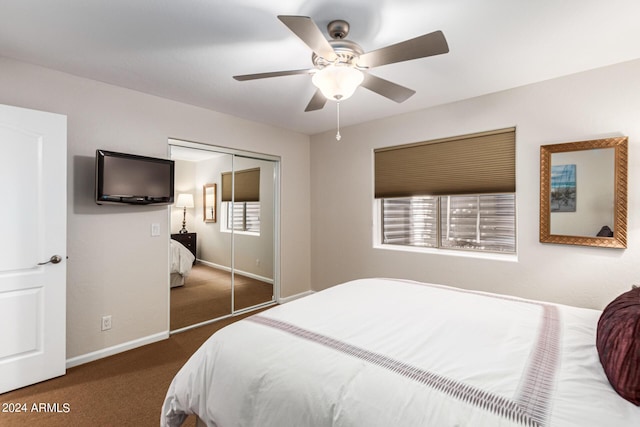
[(317, 102), (386, 88), (270, 74), (308, 32), (419, 47)]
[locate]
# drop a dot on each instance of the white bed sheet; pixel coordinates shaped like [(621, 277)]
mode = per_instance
[(383, 352), (181, 259)]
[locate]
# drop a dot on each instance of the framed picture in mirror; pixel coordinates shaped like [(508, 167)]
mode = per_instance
[(209, 202)]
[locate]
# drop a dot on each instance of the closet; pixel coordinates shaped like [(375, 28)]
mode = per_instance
[(233, 221)]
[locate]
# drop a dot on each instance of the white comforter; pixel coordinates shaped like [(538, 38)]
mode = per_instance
[(181, 258), (379, 352)]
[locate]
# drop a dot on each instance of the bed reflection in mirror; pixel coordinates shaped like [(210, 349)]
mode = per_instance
[(583, 193)]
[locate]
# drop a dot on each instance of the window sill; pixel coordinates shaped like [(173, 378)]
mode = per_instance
[(494, 256)]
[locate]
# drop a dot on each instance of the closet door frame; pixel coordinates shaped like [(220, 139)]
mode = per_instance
[(276, 220)]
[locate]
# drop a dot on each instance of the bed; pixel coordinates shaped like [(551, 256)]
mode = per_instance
[(388, 352), (181, 263)]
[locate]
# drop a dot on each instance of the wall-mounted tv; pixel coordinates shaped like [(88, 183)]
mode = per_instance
[(133, 179)]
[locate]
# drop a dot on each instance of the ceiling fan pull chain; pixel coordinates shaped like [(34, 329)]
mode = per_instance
[(338, 136)]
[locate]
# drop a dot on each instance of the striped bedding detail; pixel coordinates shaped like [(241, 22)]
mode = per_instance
[(536, 387), (532, 402)]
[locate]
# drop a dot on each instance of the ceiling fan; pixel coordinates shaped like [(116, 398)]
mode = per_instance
[(341, 65)]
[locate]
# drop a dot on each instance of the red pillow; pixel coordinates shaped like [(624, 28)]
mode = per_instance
[(618, 343)]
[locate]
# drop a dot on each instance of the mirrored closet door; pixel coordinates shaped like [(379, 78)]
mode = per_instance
[(230, 228), (250, 212)]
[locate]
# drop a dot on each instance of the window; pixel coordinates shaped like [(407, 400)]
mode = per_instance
[(454, 193), (243, 188), (242, 216), (480, 222), (410, 221), (483, 222)]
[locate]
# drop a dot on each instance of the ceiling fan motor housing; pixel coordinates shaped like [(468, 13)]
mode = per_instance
[(346, 50)]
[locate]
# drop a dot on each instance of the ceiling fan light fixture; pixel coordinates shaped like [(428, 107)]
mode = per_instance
[(337, 82)]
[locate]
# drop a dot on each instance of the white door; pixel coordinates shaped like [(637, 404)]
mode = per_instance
[(33, 205)]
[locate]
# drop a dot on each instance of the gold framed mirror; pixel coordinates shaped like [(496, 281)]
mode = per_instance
[(209, 202), (583, 193)]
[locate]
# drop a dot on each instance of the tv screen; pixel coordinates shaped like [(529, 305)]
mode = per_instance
[(133, 179)]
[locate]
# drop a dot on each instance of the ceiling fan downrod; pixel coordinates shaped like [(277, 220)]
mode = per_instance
[(338, 136)]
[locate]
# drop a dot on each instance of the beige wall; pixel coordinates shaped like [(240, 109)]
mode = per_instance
[(115, 266), (184, 182), (590, 105)]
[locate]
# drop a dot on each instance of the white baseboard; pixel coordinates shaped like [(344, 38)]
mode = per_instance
[(294, 297), (242, 273), (110, 351)]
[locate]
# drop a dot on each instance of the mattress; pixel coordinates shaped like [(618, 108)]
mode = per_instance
[(181, 263), (388, 352)]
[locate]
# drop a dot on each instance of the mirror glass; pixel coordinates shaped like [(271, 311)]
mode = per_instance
[(209, 202), (253, 223), (204, 290), (234, 240), (583, 193)]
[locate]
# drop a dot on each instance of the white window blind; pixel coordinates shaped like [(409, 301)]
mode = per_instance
[(480, 222), (483, 222), (411, 221), (243, 216)]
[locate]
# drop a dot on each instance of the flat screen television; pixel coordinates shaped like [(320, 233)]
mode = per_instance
[(133, 179)]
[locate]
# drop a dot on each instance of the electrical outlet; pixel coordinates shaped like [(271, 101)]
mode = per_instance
[(257, 262), (155, 230), (106, 323)]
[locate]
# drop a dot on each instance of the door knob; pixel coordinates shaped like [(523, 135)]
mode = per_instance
[(55, 259)]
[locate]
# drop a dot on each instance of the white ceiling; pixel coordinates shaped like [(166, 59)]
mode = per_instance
[(188, 50)]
